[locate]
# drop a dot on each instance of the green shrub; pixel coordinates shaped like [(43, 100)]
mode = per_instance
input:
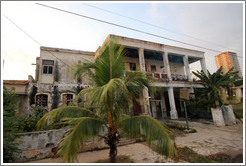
[(27, 123), (9, 125)]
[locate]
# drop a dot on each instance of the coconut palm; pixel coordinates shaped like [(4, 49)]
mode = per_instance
[(108, 96), (213, 83)]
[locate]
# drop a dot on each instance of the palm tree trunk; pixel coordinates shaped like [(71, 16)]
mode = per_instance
[(113, 148)]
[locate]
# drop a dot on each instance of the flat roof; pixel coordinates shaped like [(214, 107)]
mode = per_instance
[(144, 41), (44, 48)]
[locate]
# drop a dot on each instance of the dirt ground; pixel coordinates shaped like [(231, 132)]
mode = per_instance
[(208, 140)]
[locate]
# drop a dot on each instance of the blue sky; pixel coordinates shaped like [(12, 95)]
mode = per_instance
[(220, 23)]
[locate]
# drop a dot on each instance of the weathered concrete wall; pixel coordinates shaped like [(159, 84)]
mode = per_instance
[(43, 144), (67, 59), (38, 145), (19, 89)]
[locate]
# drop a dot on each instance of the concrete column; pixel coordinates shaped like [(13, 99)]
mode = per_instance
[(166, 64), (164, 110), (203, 64), (173, 112), (187, 68), (141, 59)]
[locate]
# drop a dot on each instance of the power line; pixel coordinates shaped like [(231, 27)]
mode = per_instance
[(125, 27), (156, 26), (33, 39)]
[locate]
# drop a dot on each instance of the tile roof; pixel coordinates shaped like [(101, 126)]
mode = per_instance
[(15, 82)]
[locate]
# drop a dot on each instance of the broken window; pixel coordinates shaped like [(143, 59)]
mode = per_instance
[(132, 66), (67, 99), (48, 66), (42, 100)]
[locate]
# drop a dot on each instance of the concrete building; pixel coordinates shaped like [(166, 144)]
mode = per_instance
[(54, 85), (228, 60)]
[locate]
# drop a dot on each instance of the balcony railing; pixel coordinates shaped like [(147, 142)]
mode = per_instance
[(163, 76), (179, 77), (155, 75)]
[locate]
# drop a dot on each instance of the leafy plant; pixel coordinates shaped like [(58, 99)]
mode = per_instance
[(213, 82), (27, 123), (9, 125), (109, 95)]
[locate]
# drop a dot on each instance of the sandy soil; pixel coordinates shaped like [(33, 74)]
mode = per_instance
[(208, 140)]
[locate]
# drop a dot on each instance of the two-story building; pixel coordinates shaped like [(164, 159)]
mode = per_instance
[(54, 85)]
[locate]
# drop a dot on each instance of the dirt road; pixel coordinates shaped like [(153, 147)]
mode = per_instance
[(207, 140)]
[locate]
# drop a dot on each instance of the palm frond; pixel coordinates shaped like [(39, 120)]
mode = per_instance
[(56, 115), (83, 128), (157, 136)]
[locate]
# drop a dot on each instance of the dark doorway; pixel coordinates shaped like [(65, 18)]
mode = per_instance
[(178, 102), (167, 103)]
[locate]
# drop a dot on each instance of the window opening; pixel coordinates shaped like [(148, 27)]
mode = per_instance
[(42, 100), (48, 66)]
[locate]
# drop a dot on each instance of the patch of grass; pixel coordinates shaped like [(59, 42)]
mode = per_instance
[(179, 130), (119, 159), (187, 154)]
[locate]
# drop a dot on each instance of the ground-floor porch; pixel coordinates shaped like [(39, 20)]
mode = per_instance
[(165, 103)]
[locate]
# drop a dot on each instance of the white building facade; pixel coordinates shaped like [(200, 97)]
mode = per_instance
[(54, 85)]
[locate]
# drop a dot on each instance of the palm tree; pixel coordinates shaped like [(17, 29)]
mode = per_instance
[(213, 83), (108, 96)]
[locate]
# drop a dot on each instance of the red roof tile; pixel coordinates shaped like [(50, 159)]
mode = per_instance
[(15, 82)]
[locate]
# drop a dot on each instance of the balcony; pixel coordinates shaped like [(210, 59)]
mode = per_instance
[(179, 77), (156, 75)]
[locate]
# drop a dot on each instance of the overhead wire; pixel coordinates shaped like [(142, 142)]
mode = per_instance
[(156, 26), (33, 39), (125, 27)]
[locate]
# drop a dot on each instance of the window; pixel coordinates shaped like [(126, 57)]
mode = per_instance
[(48, 66), (153, 68), (42, 100), (132, 66), (67, 99)]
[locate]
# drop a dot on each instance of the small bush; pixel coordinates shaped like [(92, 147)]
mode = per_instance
[(27, 123)]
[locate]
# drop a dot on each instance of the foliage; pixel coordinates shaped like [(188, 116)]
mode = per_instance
[(27, 123), (9, 125), (238, 109), (213, 82), (9, 101), (109, 95), (198, 108), (187, 154)]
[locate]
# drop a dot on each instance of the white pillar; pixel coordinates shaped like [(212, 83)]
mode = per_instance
[(173, 112), (203, 64), (166, 65), (141, 59), (187, 68)]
